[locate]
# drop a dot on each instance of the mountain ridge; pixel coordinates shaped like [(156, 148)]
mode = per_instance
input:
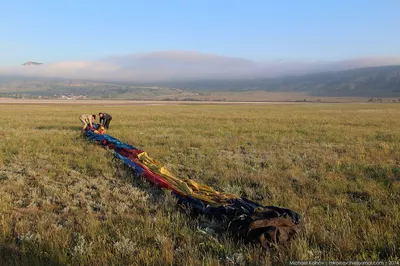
[(31, 63), (381, 81)]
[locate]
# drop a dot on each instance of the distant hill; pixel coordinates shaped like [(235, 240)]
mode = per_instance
[(361, 82), (56, 88), (30, 63), (364, 82)]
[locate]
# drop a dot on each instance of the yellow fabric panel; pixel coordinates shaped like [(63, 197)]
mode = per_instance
[(187, 186)]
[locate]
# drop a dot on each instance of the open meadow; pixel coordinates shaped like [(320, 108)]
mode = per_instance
[(64, 200)]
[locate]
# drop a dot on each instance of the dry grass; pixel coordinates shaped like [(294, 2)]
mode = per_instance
[(65, 201)]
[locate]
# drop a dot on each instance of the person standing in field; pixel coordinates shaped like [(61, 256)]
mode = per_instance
[(105, 119), (86, 120)]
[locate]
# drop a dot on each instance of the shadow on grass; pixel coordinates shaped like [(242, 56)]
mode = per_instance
[(30, 254), (124, 172)]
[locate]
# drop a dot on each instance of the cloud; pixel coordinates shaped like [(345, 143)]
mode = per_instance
[(183, 65)]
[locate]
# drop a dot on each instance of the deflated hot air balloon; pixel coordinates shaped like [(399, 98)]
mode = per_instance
[(267, 225)]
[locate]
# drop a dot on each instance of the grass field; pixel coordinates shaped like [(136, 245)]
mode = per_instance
[(65, 201)]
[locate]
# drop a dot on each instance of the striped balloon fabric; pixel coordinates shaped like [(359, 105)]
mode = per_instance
[(268, 225)]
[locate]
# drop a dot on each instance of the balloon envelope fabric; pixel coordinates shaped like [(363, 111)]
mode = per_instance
[(267, 225)]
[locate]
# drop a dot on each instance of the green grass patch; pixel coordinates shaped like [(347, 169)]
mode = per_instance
[(66, 201)]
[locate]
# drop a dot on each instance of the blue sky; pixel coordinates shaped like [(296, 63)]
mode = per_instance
[(49, 31)]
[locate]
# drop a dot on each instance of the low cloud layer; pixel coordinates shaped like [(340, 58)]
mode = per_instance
[(179, 65)]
